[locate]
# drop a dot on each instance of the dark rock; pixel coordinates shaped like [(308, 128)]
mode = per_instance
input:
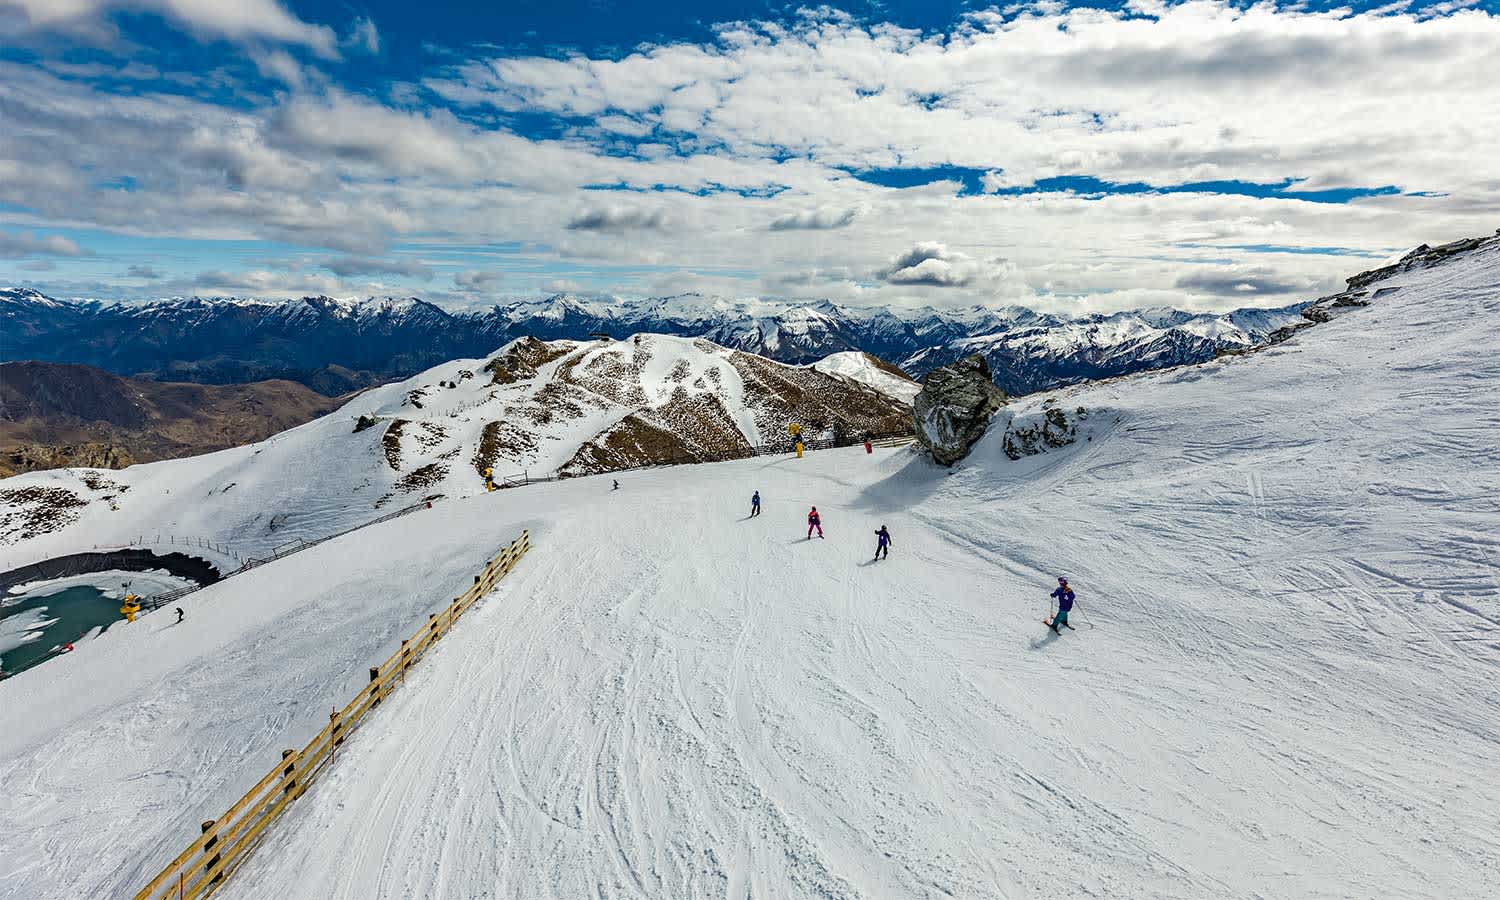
[(954, 408), (364, 422), (1053, 431)]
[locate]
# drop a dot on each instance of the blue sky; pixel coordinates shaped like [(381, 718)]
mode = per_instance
[(1077, 157)]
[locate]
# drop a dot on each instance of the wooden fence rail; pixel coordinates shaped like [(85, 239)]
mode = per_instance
[(781, 445), (228, 840)]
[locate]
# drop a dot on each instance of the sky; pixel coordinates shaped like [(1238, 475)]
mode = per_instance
[(1074, 158)]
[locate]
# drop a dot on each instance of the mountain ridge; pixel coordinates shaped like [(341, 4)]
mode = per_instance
[(335, 346)]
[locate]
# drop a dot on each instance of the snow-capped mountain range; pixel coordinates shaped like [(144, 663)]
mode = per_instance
[(338, 345)]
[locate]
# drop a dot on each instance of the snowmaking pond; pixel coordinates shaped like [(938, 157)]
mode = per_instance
[(38, 620)]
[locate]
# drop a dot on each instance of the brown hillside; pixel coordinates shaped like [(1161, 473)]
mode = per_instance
[(55, 414)]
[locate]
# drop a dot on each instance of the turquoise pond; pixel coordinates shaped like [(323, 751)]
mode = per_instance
[(32, 626)]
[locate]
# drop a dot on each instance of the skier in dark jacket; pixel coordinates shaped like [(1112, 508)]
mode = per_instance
[(1064, 596), (814, 521), (179, 616), (882, 543), (755, 504)]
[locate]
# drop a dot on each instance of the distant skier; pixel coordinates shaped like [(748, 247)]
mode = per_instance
[(814, 521), (179, 616), (882, 543), (617, 485), (755, 504), (1064, 596)]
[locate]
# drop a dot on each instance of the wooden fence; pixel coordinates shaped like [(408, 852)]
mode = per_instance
[(157, 601), (782, 445), (228, 840)]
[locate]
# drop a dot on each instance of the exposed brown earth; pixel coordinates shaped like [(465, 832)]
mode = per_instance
[(390, 442), (54, 415), (694, 425), (521, 361), (37, 510), (781, 395)]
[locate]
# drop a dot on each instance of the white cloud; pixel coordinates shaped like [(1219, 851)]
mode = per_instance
[(236, 20), (756, 196), (618, 218), (18, 245), (932, 264), (363, 35), (823, 218), (346, 266), (473, 281)]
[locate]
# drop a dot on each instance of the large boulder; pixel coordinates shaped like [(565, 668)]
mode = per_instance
[(954, 408)]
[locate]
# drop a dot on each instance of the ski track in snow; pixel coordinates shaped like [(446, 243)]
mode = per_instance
[(1283, 682)]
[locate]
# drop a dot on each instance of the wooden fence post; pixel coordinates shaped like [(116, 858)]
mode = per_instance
[(208, 847), (287, 770), (374, 679)]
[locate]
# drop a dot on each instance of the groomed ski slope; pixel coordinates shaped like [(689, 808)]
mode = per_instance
[(1284, 681)]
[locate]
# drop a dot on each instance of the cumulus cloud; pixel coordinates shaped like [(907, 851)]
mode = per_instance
[(618, 219), (20, 245), (932, 264), (823, 218)]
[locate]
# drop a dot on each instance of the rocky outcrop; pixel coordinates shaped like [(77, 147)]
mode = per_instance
[(1359, 291), (954, 408), (1050, 430), (522, 358), (32, 457)]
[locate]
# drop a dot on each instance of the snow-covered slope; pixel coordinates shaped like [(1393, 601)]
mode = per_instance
[(1282, 683), (866, 369), (534, 407)]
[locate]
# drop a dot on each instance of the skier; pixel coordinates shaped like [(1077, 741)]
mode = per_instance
[(617, 485), (755, 504), (882, 543), (1064, 595), (179, 616), (814, 521)]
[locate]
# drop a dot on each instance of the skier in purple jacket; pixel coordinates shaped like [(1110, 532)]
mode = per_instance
[(1064, 596)]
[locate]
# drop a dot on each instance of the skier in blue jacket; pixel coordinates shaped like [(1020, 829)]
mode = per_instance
[(755, 505), (1064, 596), (882, 542)]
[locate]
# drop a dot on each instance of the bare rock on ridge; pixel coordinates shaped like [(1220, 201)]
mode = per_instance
[(954, 408)]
